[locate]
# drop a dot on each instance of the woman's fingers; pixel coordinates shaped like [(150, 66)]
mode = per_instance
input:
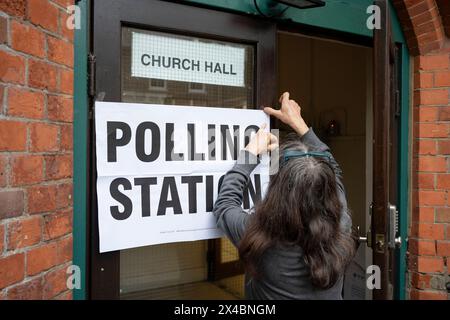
[(262, 142), (284, 97), (272, 112), (273, 138), (272, 146), (272, 142)]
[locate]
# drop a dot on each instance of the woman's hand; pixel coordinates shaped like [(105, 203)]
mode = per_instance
[(262, 142), (290, 114)]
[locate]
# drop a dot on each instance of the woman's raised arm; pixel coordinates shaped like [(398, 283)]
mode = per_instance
[(290, 114)]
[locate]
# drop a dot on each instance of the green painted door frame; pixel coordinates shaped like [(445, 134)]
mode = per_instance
[(80, 148), (347, 17)]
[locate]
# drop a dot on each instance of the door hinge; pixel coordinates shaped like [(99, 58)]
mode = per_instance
[(91, 75), (397, 103)]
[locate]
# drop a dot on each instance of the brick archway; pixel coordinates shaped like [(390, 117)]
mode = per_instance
[(423, 23), (426, 25)]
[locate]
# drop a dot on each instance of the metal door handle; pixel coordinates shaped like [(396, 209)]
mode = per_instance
[(367, 239)]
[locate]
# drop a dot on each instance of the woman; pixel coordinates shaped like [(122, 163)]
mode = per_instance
[(297, 242)]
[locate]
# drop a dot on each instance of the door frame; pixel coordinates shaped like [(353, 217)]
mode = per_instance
[(81, 149), (106, 47), (335, 17)]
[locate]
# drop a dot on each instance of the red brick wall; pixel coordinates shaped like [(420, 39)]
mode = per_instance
[(429, 234), (429, 241), (36, 80), (422, 24)]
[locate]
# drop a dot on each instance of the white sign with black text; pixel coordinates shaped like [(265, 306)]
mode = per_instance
[(167, 58), (159, 168)]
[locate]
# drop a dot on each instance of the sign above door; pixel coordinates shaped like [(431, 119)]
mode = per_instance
[(187, 59)]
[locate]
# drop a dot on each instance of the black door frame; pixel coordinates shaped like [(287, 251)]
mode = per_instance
[(107, 20), (386, 112)]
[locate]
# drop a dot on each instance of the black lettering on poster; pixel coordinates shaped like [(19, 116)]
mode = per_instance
[(193, 155), (169, 186), (140, 141), (120, 134), (231, 141), (254, 191), (121, 198), (192, 182), (170, 155), (113, 142), (169, 196), (145, 184), (211, 142), (209, 190)]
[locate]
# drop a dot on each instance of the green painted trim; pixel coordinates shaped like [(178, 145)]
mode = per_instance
[(396, 26), (403, 158), (80, 138), (403, 192), (348, 16)]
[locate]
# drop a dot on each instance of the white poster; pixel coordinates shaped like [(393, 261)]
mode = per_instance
[(159, 168), (168, 58)]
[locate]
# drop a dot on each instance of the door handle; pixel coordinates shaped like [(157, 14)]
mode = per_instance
[(393, 240), (367, 238)]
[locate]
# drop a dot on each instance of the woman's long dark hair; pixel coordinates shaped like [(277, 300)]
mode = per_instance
[(301, 207)]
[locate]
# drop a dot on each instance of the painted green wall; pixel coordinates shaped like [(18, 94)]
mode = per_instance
[(341, 15)]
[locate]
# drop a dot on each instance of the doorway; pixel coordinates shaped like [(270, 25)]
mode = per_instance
[(102, 38), (185, 270), (332, 81)]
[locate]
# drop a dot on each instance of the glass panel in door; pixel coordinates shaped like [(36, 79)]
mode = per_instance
[(180, 270)]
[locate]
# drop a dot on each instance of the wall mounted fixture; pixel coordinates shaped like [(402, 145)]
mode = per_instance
[(302, 4), (299, 4)]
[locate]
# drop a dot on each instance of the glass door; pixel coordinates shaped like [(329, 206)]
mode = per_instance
[(180, 270), (188, 270)]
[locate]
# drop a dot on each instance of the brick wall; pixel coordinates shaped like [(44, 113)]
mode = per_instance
[(429, 241), (36, 80), (422, 24), (429, 233)]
